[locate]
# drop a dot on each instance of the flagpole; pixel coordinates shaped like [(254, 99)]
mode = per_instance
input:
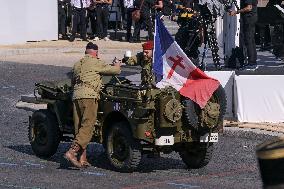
[(155, 33), (153, 54)]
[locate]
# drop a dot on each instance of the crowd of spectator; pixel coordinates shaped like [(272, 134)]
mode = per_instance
[(90, 18)]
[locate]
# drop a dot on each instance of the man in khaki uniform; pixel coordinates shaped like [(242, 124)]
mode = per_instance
[(87, 83), (144, 59)]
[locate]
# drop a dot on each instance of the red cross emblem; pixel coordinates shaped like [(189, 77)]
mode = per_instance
[(177, 62)]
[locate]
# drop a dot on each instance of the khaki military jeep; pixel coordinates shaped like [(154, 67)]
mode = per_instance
[(132, 121)]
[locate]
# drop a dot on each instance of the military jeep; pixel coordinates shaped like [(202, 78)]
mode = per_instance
[(132, 121)]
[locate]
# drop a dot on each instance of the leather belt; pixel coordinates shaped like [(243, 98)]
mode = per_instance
[(102, 5), (79, 9)]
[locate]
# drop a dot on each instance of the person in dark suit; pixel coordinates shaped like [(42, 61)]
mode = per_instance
[(92, 15), (248, 13), (62, 16), (129, 7), (146, 6), (79, 13), (102, 18)]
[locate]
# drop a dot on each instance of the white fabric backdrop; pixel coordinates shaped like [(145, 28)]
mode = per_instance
[(259, 98), (226, 78), (28, 20)]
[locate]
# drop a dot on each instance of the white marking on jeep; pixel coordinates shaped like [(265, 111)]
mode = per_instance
[(213, 137), (165, 141)]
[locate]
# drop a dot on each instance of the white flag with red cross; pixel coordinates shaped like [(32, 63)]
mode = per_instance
[(175, 69)]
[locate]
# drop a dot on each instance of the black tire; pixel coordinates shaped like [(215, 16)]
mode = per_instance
[(196, 155), (44, 133), (192, 110), (122, 150)]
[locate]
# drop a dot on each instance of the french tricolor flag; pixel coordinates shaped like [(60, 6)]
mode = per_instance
[(175, 69)]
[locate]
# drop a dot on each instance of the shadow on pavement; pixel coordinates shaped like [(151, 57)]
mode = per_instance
[(25, 149), (98, 158)]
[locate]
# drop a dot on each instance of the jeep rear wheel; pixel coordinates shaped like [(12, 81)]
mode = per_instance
[(192, 112), (44, 133), (122, 149), (196, 155)]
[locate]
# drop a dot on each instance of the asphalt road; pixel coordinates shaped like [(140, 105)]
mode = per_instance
[(233, 165)]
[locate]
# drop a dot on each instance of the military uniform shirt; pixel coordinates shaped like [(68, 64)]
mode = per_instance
[(147, 77), (87, 79)]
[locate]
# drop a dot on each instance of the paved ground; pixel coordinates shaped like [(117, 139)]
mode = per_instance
[(233, 165), (62, 53)]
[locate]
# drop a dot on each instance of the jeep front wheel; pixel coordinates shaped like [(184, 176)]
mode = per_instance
[(44, 133), (122, 149), (196, 155)]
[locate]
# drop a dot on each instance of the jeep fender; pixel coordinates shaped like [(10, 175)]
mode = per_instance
[(114, 117)]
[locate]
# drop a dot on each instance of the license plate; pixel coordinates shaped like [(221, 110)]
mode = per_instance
[(165, 141), (213, 137)]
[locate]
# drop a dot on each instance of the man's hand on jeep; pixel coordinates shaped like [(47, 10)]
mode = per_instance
[(116, 62)]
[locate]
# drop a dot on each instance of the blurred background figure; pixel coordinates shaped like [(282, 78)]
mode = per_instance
[(145, 6), (92, 16), (62, 19), (102, 9), (248, 13), (158, 9), (69, 16), (129, 7), (190, 34), (168, 8), (79, 17)]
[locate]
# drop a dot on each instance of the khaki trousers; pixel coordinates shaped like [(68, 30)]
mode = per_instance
[(84, 115)]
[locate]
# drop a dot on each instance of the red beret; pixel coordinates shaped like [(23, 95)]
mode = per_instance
[(149, 45)]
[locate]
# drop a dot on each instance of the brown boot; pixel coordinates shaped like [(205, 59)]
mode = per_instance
[(83, 159), (72, 153)]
